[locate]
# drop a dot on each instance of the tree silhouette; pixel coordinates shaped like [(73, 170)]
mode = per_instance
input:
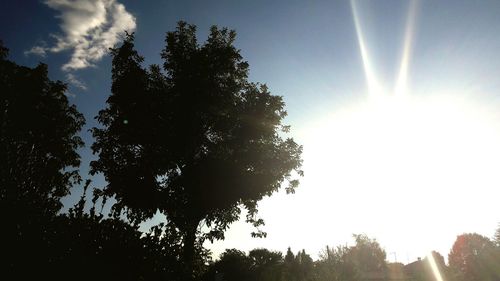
[(305, 266), (233, 264), (196, 142), (289, 265), (298, 267), (259, 264), (38, 144), (266, 265), (39, 159)]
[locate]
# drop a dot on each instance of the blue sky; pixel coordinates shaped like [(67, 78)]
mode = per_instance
[(308, 52)]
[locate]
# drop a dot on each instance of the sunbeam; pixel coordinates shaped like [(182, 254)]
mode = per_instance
[(373, 85), (434, 267), (401, 82)]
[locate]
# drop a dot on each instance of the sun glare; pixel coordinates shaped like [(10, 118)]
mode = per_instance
[(397, 166), (406, 141), (434, 267), (401, 82), (374, 87), (405, 155)]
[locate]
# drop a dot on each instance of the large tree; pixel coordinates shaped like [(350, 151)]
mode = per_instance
[(38, 140), (196, 141), (38, 160), (474, 257)]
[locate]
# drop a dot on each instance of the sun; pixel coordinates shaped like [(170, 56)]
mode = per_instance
[(399, 162), (399, 168), (406, 142)]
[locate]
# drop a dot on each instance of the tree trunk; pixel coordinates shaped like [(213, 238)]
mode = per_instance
[(189, 252)]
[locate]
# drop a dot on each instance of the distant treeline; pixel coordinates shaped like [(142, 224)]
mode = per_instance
[(473, 257), (195, 141)]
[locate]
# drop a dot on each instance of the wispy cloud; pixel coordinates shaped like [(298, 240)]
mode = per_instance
[(89, 28), (70, 94), (36, 50), (71, 78)]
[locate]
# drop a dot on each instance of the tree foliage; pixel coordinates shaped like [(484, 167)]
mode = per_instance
[(38, 139), (38, 154), (335, 264), (196, 141), (261, 264), (496, 237), (39, 160), (474, 257), (362, 260), (266, 265), (367, 255)]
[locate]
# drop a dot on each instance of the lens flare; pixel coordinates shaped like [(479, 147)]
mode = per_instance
[(401, 82), (373, 85), (434, 267)]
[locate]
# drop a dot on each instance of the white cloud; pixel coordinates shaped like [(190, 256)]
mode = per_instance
[(89, 28), (71, 78)]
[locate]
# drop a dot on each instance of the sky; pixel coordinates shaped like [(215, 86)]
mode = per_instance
[(397, 105)]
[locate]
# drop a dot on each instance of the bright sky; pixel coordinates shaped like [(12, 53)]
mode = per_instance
[(395, 102)]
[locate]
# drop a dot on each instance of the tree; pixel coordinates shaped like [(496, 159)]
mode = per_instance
[(233, 264), (39, 159), (259, 264), (496, 238), (38, 139), (367, 254), (195, 142), (474, 257), (305, 266), (289, 266), (335, 264), (298, 267), (92, 246), (266, 265), (364, 260)]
